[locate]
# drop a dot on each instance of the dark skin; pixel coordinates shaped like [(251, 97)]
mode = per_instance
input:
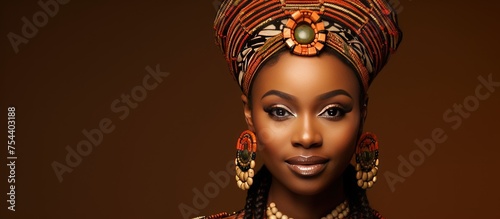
[(305, 106)]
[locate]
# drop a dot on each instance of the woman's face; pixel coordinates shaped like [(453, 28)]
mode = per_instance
[(306, 115)]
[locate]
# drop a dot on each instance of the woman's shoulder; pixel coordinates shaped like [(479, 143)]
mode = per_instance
[(224, 215)]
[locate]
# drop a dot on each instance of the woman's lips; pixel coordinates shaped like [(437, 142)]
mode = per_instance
[(307, 165)]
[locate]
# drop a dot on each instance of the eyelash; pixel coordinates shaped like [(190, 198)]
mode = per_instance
[(339, 112), (273, 111)]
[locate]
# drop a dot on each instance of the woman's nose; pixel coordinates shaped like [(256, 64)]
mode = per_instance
[(306, 133)]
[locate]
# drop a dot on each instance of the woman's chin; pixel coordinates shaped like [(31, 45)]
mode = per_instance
[(307, 187)]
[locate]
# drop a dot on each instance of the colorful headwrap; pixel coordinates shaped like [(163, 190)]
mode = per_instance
[(365, 32)]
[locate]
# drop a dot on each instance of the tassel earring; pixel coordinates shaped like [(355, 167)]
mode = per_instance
[(245, 159), (367, 160)]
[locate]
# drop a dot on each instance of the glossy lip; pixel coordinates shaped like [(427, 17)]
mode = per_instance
[(307, 166)]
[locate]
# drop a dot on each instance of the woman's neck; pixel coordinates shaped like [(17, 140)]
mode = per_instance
[(306, 206)]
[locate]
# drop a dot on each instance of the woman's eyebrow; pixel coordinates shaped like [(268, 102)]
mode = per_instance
[(333, 93), (279, 94), (324, 96)]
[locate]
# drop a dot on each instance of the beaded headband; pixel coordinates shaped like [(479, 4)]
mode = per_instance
[(248, 32)]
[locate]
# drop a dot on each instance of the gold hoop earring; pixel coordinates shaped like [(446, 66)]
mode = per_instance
[(245, 159), (367, 160)]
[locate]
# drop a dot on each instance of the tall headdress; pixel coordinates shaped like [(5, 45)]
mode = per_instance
[(248, 32)]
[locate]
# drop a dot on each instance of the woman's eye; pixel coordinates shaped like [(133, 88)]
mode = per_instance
[(278, 113), (333, 112)]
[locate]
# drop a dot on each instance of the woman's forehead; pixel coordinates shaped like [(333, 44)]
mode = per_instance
[(306, 76)]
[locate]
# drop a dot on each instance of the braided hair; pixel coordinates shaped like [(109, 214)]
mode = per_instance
[(256, 202), (358, 201)]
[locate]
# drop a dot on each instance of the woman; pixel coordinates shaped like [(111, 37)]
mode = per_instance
[(304, 68)]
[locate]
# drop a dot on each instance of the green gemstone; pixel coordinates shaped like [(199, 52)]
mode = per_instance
[(304, 34), (245, 156), (367, 156)]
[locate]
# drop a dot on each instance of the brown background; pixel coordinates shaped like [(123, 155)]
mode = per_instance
[(66, 77)]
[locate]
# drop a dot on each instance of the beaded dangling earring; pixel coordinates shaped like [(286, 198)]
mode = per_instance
[(367, 160), (245, 159)]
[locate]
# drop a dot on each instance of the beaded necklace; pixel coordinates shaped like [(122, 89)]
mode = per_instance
[(341, 211)]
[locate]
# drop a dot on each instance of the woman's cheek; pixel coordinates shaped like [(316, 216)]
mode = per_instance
[(341, 138)]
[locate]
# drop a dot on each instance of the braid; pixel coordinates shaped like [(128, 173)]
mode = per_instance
[(256, 202), (358, 201), (262, 193), (249, 202)]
